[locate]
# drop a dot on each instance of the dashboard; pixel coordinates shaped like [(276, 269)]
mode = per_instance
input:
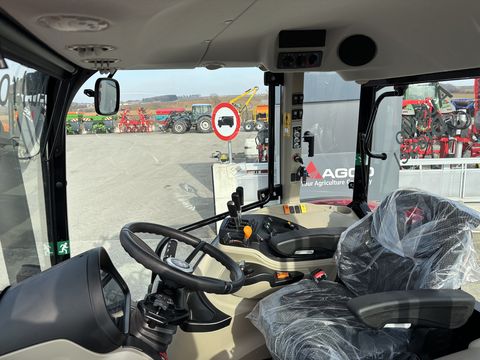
[(84, 300)]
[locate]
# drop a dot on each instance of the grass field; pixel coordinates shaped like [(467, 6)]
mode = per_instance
[(468, 95)]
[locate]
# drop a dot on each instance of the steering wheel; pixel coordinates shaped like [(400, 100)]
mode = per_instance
[(177, 270)]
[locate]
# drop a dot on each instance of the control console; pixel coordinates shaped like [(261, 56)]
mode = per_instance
[(280, 239)]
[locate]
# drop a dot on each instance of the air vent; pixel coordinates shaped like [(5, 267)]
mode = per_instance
[(102, 65), (73, 23), (89, 50)]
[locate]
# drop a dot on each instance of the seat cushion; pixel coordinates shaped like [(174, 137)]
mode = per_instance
[(310, 321)]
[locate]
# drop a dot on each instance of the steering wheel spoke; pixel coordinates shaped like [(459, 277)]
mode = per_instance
[(195, 251)]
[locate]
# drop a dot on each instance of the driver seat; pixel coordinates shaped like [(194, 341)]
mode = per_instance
[(414, 240)]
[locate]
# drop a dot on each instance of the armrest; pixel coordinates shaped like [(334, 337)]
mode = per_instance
[(447, 309), (323, 240)]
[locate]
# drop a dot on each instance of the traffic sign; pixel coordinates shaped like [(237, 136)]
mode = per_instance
[(225, 121)]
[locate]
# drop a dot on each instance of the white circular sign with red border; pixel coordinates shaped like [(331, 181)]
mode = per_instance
[(225, 121)]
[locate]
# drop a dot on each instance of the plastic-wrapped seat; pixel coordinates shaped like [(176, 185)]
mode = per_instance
[(414, 240)]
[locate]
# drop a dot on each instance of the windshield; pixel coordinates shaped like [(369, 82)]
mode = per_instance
[(420, 91), (202, 109), (23, 236), (159, 159)]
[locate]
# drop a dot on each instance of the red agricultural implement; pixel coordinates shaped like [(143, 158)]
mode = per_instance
[(432, 127), (139, 123)]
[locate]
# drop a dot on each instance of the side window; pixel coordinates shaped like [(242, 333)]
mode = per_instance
[(23, 236), (435, 137)]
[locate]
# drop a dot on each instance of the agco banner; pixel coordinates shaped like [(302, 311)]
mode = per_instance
[(329, 176)]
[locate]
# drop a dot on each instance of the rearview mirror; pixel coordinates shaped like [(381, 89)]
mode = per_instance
[(107, 96)]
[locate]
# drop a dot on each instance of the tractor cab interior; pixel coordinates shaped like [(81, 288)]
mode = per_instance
[(307, 241)]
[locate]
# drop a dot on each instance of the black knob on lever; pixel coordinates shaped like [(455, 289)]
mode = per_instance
[(240, 193), (236, 201), (298, 158), (309, 138), (232, 209)]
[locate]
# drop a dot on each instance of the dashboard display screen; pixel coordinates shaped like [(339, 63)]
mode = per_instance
[(115, 298)]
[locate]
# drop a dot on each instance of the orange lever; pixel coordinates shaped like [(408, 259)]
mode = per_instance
[(247, 231)]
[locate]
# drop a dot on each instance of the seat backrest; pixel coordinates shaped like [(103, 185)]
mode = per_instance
[(413, 240)]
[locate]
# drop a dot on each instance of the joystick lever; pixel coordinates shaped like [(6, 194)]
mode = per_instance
[(240, 193), (232, 209), (238, 205)]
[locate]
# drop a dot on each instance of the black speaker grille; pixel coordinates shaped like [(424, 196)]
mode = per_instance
[(357, 50)]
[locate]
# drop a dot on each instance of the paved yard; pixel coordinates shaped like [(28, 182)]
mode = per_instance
[(114, 179)]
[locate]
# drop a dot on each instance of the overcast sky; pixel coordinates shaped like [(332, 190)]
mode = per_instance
[(138, 84)]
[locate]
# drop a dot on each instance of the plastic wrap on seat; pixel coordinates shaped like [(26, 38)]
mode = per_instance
[(413, 240), (306, 321)]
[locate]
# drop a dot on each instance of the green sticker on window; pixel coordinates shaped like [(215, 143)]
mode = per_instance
[(48, 249), (63, 247), (358, 160)]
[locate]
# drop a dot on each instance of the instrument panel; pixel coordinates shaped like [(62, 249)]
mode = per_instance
[(83, 300), (115, 298)]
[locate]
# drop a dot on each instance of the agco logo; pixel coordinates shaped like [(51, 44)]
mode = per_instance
[(337, 173)]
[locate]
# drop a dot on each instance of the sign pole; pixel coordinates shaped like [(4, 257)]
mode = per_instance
[(230, 154)]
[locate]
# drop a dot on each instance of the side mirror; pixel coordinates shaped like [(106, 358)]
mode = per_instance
[(107, 96)]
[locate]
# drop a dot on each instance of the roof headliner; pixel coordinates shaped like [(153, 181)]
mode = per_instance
[(413, 37)]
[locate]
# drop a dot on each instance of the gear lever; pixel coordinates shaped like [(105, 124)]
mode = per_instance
[(238, 204), (232, 209), (240, 193)]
